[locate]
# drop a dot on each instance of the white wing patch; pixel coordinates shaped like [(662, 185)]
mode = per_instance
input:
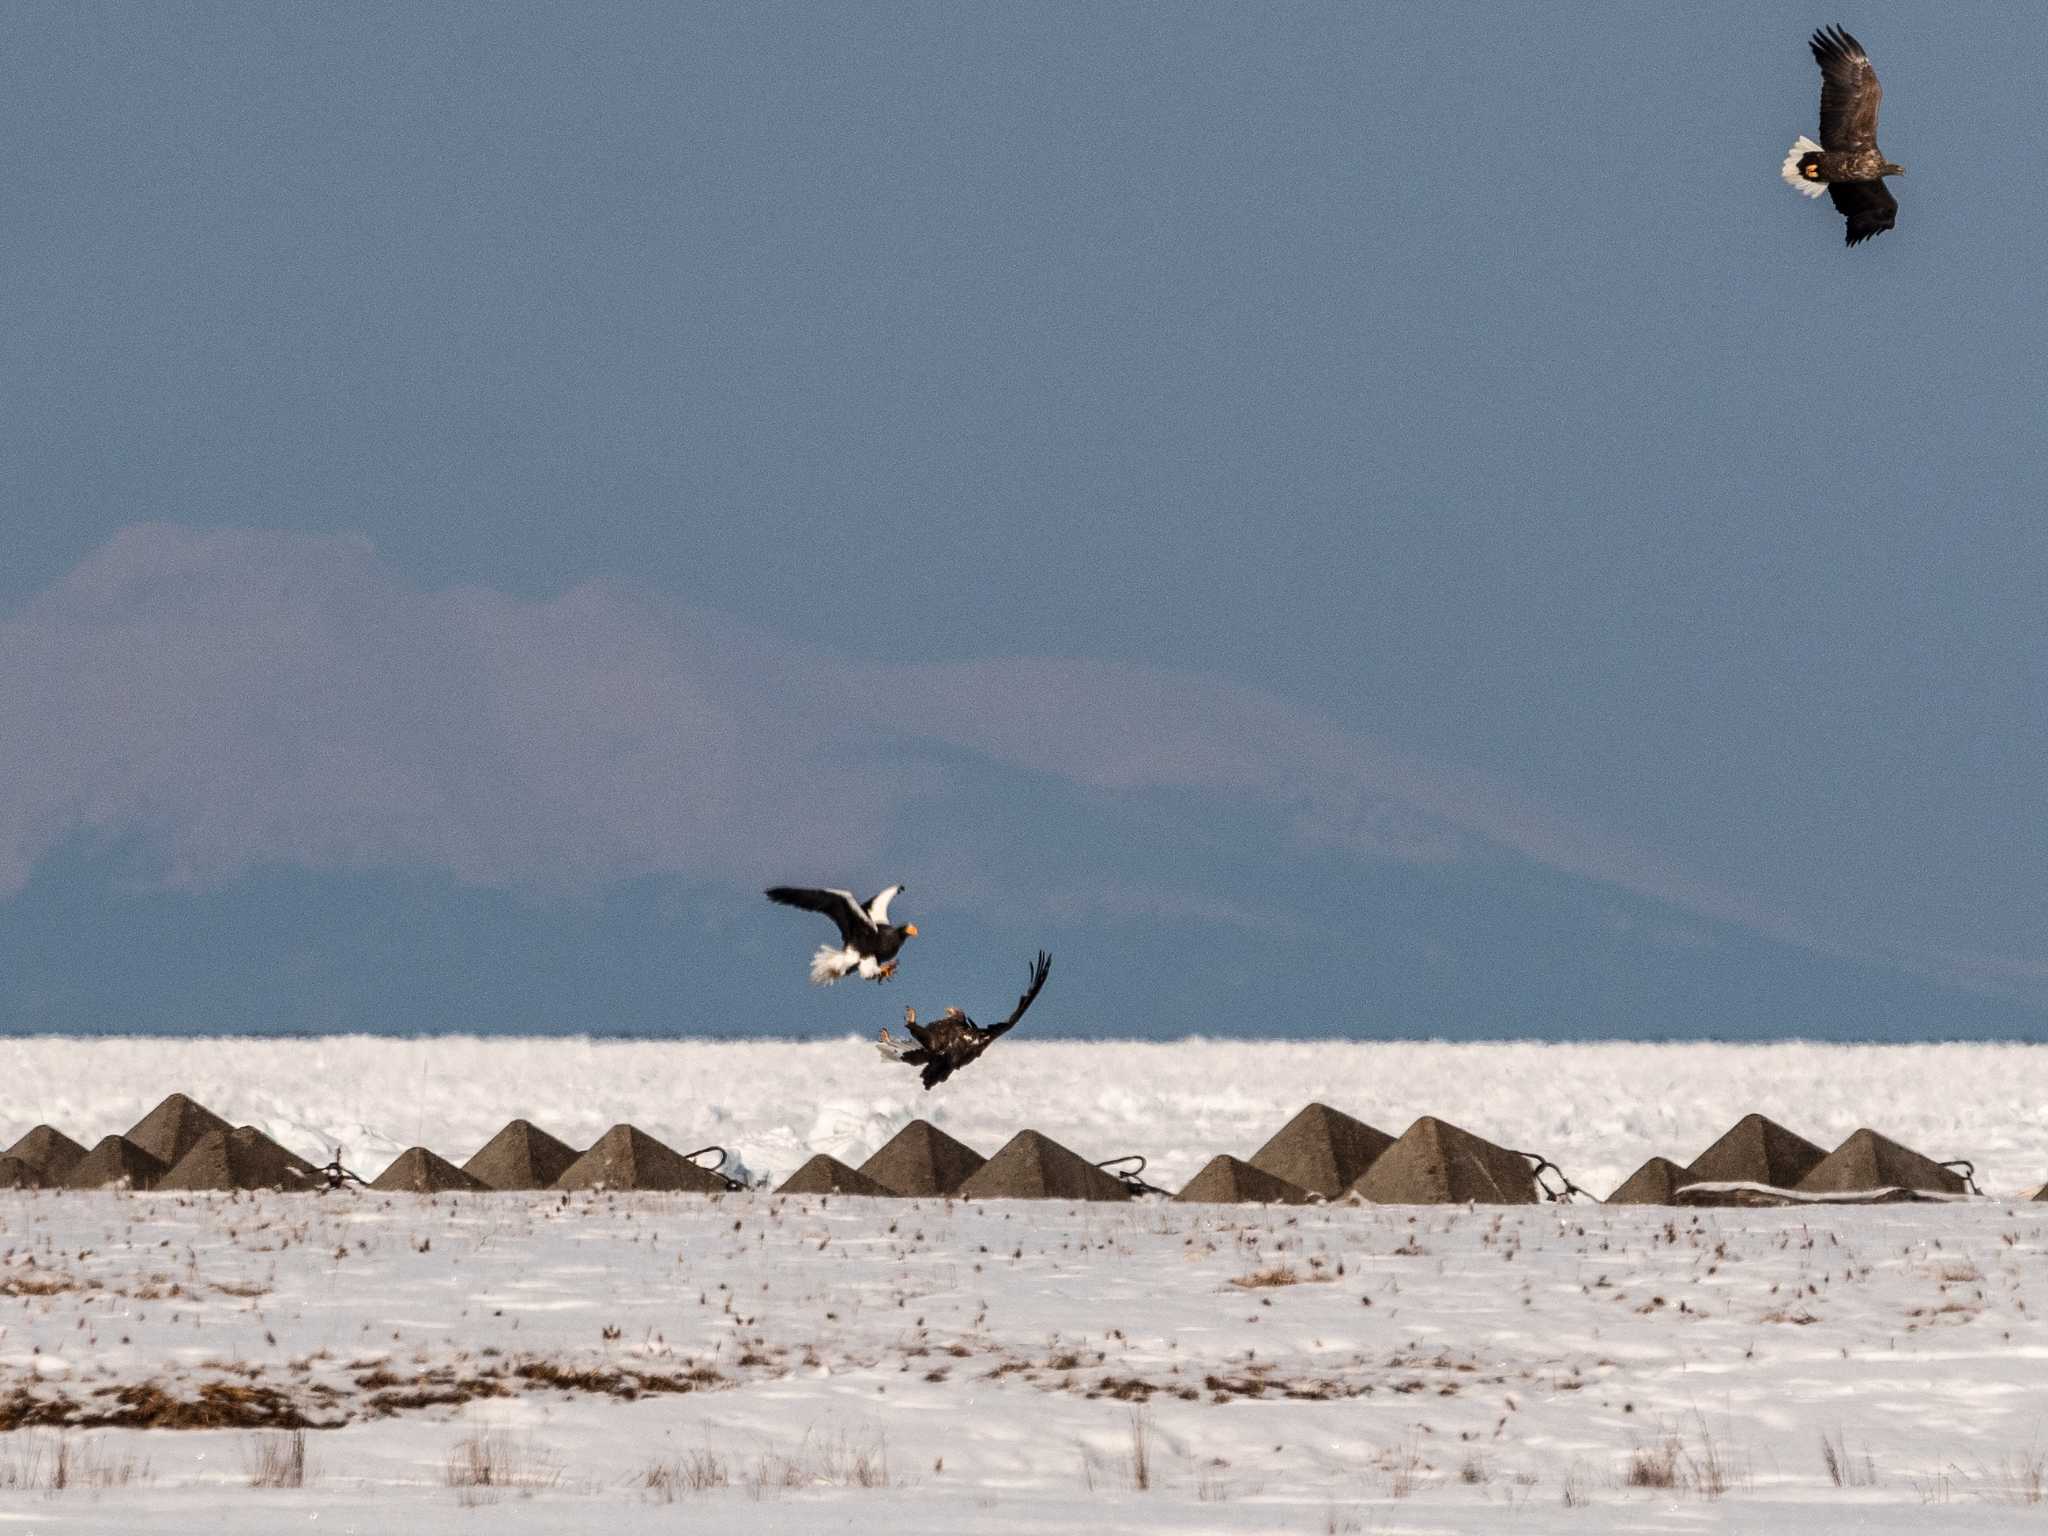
[(1790, 169), (852, 901), (878, 909)]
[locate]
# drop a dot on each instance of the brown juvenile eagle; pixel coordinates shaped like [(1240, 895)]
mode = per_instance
[(1846, 163), (868, 943), (951, 1041)]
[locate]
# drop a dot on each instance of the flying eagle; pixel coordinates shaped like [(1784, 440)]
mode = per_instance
[(869, 943), (951, 1041), (1846, 163)]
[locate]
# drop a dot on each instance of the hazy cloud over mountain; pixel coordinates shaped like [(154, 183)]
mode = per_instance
[(231, 699)]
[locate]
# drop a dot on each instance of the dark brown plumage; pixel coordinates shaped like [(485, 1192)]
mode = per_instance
[(1846, 163), (953, 1040)]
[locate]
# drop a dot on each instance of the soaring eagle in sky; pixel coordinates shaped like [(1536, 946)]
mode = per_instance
[(868, 944), (951, 1041), (1846, 163)]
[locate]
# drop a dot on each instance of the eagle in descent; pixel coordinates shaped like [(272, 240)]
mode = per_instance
[(868, 943), (1846, 163), (953, 1040)]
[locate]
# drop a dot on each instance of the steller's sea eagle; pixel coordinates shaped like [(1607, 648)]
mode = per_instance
[(951, 1041), (1846, 163), (868, 943)]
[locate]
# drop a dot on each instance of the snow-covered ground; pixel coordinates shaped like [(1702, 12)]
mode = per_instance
[(761, 1364)]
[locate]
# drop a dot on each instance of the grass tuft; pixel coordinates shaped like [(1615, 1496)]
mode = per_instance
[(40, 1462), (278, 1460), (482, 1466)]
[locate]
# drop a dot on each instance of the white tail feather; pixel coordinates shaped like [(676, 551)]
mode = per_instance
[(829, 964), (1790, 169)]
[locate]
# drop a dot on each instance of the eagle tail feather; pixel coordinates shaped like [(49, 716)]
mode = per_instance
[(1793, 168), (828, 965)]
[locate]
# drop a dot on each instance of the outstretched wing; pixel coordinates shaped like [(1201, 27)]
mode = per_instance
[(1849, 93), (840, 906), (878, 909), (1038, 975), (1869, 207)]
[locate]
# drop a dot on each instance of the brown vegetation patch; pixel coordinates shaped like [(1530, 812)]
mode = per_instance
[(38, 1285), (1276, 1275), (22, 1409), (452, 1394), (217, 1405), (1798, 1319), (618, 1383), (1130, 1389)]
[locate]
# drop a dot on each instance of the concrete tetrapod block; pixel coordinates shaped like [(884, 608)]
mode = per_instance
[(1868, 1161), (240, 1158), (1032, 1166), (115, 1163), (1227, 1180), (1322, 1150), (521, 1156), (1437, 1163), (1755, 1150), (824, 1175), (1655, 1183), (49, 1152), (174, 1127), (626, 1157), (921, 1161), (420, 1172)]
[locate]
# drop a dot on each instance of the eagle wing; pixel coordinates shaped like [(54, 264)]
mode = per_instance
[(1849, 94), (1869, 207), (1039, 972), (850, 915), (878, 909)]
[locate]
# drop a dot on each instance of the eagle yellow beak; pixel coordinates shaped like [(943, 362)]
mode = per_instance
[(910, 931)]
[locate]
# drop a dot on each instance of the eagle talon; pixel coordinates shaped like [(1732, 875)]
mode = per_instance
[(886, 971)]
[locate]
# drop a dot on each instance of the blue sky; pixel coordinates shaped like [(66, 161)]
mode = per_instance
[(1333, 519)]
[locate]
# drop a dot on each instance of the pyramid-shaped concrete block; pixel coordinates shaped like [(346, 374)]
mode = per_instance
[(16, 1174), (174, 1128), (921, 1161), (521, 1156), (626, 1157), (1227, 1180), (115, 1163), (1869, 1161), (49, 1151), (1323, 1150), (417, 1171), (1755, 1150), (239, 1158), (1655, 1183), (1032, 1166), (1436, 1163), (824, 1175)]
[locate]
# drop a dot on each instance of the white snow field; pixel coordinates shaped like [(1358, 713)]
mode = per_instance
[(1597, 1110), (752, 1363)]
